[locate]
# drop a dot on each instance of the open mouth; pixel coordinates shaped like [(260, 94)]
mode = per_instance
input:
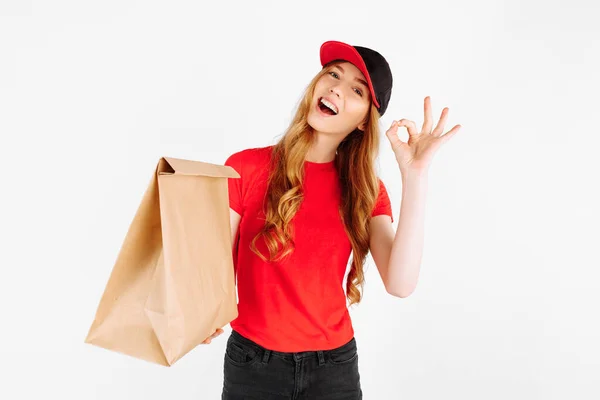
[(326, 107)]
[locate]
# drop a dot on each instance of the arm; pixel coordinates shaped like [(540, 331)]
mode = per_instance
[(397, 255), (234, 222)]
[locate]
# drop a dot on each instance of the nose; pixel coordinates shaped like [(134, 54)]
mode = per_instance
[(336, 91)]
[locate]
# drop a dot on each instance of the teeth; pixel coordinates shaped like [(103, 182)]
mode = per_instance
[(329, 105)]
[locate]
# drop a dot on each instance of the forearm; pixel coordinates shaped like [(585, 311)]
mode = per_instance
[(407, 248)]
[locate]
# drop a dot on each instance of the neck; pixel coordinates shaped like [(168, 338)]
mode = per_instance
[(323, 149)]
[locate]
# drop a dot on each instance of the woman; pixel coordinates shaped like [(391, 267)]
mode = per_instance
[(298, 211)]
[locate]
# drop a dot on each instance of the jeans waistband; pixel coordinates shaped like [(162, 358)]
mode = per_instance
[(291, 355)]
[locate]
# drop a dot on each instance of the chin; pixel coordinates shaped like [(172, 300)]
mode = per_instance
[(320, 125)]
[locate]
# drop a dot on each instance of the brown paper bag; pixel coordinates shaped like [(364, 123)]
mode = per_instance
[(173, 281)]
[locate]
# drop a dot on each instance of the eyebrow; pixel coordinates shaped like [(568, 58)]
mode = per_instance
[(357, 79)]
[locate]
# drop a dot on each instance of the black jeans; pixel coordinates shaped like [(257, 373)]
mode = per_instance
[(254, 372)]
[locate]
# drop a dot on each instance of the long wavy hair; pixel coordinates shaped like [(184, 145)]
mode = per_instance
[(355, 164)]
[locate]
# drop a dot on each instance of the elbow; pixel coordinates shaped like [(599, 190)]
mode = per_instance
[(400, 292)]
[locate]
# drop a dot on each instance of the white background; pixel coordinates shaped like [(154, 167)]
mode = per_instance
[(93, 93)]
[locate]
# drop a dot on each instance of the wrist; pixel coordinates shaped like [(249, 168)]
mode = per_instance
[(414, 174)]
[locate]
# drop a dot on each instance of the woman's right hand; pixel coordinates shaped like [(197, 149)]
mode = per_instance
[(214, 335)]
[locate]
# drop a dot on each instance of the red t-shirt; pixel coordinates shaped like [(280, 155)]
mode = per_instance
[(298, 304)]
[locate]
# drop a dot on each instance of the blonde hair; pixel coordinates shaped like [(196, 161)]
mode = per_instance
[(354, 162)]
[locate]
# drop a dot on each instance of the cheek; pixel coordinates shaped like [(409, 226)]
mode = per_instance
[(320, 84), (358, 110)]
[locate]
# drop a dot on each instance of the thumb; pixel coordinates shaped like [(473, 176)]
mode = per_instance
[(392, 135)]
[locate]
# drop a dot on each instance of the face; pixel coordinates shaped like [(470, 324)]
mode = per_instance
[(342, 89)]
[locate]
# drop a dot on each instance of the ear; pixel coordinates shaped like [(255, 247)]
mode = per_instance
[(363, 124)]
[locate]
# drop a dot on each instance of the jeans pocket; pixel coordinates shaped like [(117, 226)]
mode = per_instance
[(345, 354), (240, 354)]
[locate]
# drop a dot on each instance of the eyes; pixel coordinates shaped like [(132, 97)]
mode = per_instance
[(336, 76)]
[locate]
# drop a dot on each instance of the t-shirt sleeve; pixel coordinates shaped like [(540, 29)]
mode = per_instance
[(235, 185), (383, 204)]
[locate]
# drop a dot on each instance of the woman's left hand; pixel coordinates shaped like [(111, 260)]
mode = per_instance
[(416, 154)]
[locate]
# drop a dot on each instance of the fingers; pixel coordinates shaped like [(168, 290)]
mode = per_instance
[(448, 135), (392, 136), (410, 126), (439, 128), (214, 335), (426, 129), (428, 121)]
